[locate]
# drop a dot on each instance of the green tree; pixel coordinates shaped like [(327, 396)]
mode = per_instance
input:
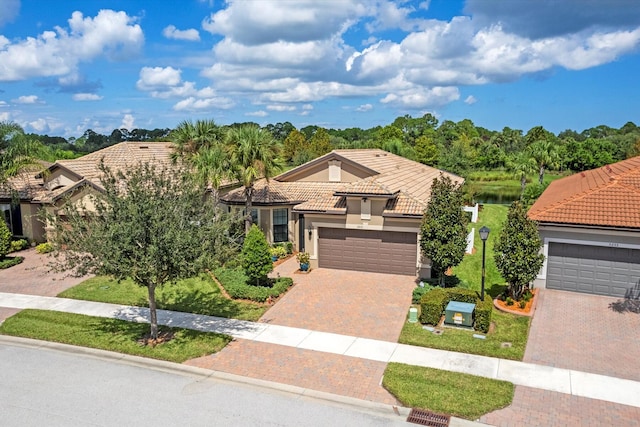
[(293, 144), (256, 258), (517, 252), (444, 226), (254, 155), (319, 143), (153, 226), (522, 165), (545, 155), (5, 239), (17, 151), (426, 150)]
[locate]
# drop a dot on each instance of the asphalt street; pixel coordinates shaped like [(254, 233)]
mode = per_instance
[(44, 386)]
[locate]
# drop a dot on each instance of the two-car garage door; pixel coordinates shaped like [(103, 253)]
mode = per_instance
[(366, 250), (598, 270)]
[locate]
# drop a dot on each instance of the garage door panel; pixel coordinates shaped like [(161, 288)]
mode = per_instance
[(365, 250), (598, 270)]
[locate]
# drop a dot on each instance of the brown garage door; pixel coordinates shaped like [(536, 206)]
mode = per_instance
[(375, 251)]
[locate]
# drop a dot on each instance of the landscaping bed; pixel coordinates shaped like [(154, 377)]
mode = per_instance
[(112, 334), (461, 395)]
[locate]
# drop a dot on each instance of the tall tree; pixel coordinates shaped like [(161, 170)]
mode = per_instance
[(522, 165), (545, 155), (294, 143), (319, 143), (254, 155), (443, 236), (153, 226), (256, 259), (17, 151), (517, 252)]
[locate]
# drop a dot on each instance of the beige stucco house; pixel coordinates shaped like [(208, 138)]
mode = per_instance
[(590, 226), (350, 209)]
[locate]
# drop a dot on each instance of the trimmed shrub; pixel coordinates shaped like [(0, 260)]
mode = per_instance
[(44, 248), (289, 247), (434, 302), (10, 261), (18, 245), (5, 238), (235, 281), (256, 258), (419, 291)]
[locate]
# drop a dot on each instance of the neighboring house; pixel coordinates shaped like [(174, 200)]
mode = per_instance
[(350, 209), (590, 226), (70, 180)]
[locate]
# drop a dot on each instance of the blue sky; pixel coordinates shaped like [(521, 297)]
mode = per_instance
[(67, 66)]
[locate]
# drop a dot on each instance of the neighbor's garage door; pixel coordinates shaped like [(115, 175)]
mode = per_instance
[(592, 269), (375, 251)]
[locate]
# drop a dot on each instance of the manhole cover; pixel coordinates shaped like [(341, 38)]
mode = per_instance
[(438, 331), (428, 418)]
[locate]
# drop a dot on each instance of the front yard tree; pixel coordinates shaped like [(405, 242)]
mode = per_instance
[(517, 251), (152, 225), (256, 258), (444, 227)]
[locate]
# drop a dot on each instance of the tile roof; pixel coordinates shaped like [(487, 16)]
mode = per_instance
[(406, 183), (606, 196)]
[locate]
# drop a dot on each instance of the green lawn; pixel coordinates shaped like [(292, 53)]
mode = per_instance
[(111, 334), (470, 269), (198, 295), (461, 395), (507, 328)]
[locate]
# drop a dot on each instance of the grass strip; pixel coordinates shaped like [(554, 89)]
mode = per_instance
[(111, 334), (508, 328), (461, 395), (199, 295)]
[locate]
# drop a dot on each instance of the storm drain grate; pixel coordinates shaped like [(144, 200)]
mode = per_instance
[(428, 418)]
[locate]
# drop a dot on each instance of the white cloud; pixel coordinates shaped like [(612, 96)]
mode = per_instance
[(281, 107), (171, 32), (259, 113), (8, 10), (40, 125), (364, 107), (419, 97), (155, 77), (194, 104), (86, 97), (470, 100), (128, 122), (27, 99), (110, 34), (4, 117), (307, 107)]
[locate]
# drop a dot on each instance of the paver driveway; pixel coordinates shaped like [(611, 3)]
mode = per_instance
[(582, 332), (33, 277), (368, 305)]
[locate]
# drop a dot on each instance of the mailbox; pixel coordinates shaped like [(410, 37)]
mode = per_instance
[(459, 313)]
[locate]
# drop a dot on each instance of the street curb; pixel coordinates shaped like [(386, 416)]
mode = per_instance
[(391, 411)]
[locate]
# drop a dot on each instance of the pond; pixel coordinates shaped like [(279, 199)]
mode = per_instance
[(497, 196)]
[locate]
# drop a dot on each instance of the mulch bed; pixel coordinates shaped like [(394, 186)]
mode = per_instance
[(515, 307)]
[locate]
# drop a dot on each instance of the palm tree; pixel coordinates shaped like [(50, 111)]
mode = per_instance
[(523, 164), (545, 155), (17, 151), (254, 155), (201, 146)]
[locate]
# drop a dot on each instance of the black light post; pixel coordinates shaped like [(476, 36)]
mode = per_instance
[(484, 235)]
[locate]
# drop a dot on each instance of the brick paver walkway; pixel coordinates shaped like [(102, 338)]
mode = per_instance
[(33, 277), (580, 332), (368, 305)]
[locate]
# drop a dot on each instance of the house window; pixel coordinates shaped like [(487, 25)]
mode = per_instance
[(365, 208), (254, 216), (280, 225), (11, 215), (335, 174)]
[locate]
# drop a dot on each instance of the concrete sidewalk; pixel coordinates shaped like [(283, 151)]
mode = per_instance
[(575, 383)]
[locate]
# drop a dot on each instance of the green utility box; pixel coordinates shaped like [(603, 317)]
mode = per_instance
[(459, 313)]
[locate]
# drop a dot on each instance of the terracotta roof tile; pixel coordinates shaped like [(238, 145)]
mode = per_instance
[(272, 191), (606, 196)]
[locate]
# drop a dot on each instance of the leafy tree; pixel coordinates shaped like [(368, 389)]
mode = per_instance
[(319, 143), (517, 252), (426, 150), (522, 165), (17, 151), (254, 155), (153, 226), (5, 239), (293, 144), (256, 258), (444, 226), (545, 155)]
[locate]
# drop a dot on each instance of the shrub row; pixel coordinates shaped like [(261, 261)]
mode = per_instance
[(434, 302), (234, 282), (18, 245), (10, 261)]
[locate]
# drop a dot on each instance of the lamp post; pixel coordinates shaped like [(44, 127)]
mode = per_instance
[(484, 235)]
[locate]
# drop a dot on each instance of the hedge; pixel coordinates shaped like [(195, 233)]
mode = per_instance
[(433, 303), (235, 281), (10, 261)]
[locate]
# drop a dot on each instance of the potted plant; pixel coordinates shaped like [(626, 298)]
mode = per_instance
[(303, 259), (274, 254)]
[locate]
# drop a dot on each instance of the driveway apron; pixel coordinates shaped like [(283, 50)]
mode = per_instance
[(581, 332), (368, 305)]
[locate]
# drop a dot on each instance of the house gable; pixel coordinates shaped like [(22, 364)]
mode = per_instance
[(328, 168)]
